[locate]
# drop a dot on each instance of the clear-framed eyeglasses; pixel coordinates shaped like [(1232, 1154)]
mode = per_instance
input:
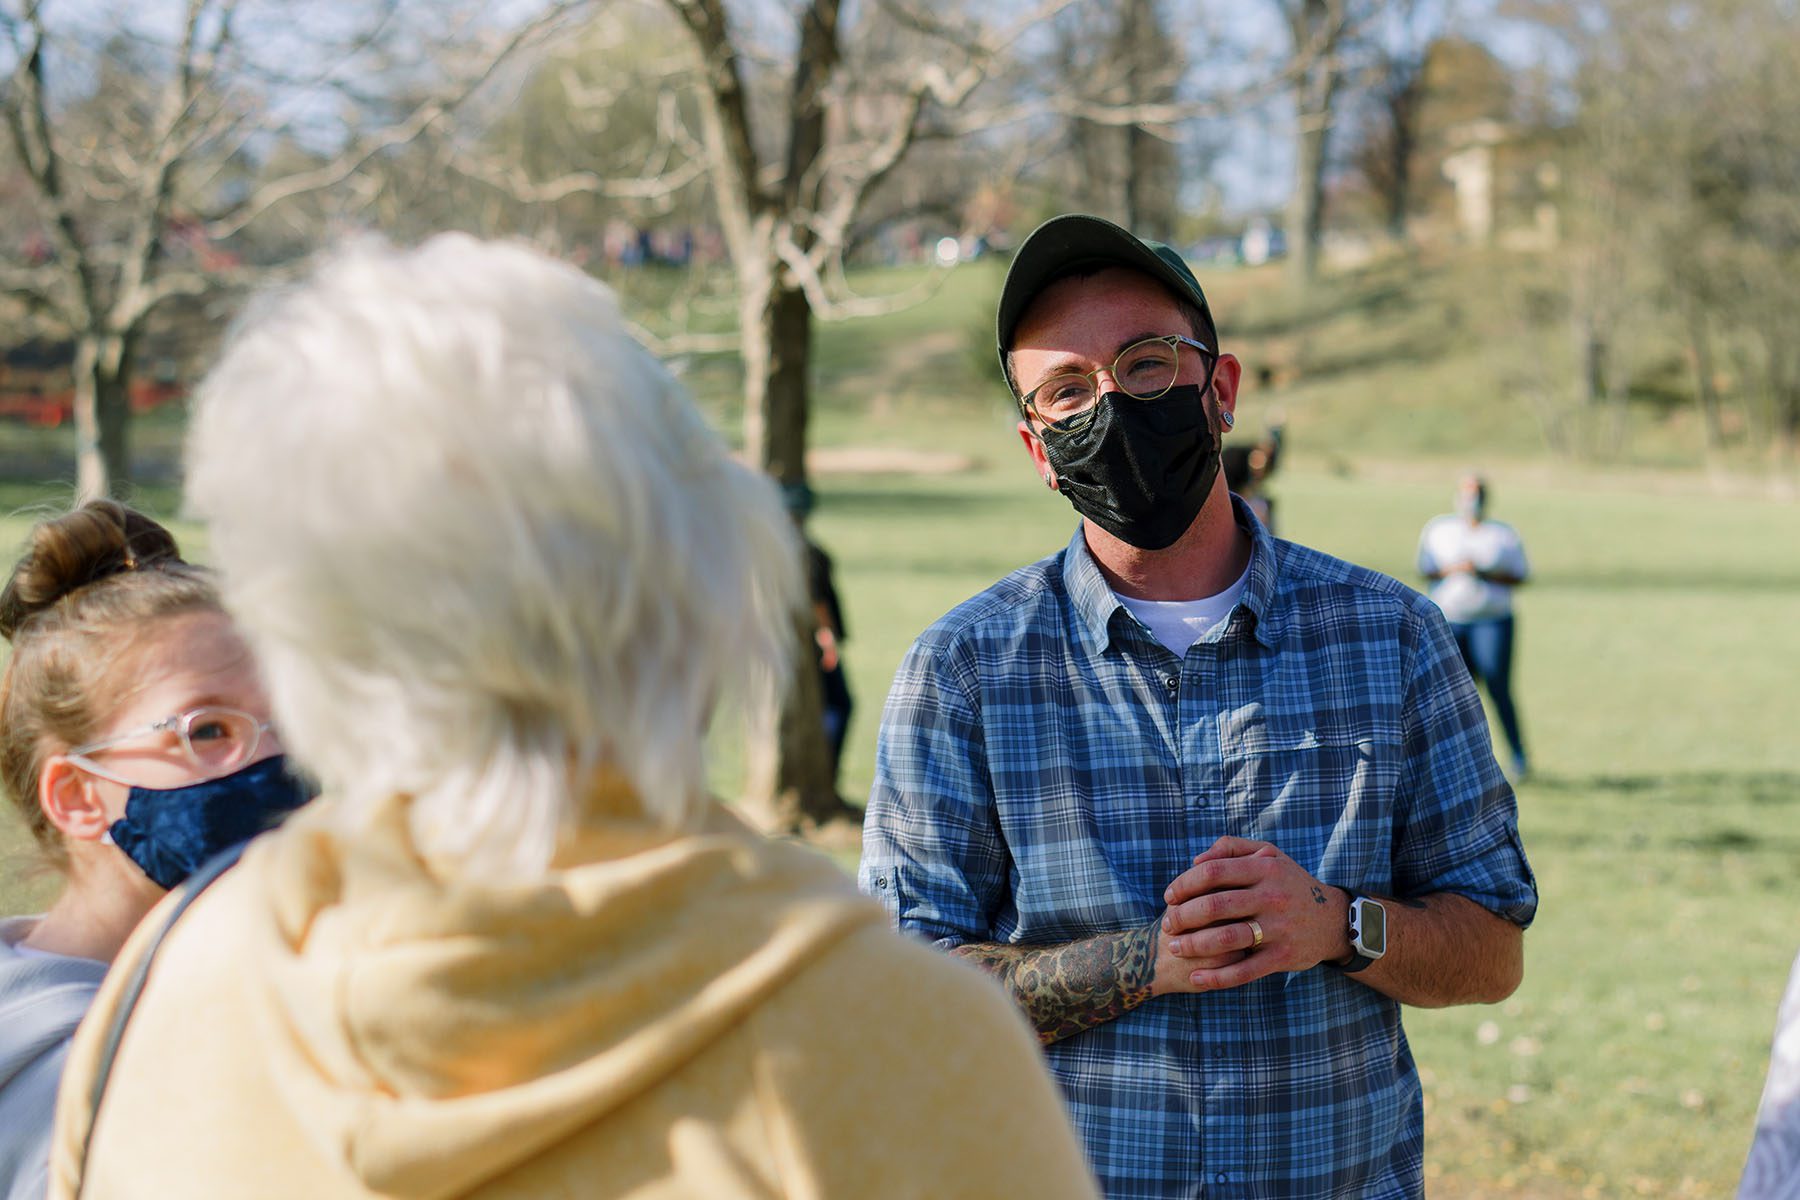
[(1144, 370), (215, 740)]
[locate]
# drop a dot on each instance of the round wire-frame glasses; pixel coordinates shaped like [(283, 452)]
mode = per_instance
[(216, 740), (1143, 370)]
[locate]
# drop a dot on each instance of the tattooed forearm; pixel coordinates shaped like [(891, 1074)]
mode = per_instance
[(1073, 986)]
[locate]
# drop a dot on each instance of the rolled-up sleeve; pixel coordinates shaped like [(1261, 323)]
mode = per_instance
[(933, 854), (1456, 818)]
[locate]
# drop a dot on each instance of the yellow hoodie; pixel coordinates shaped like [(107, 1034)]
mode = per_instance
[(707, 1015)]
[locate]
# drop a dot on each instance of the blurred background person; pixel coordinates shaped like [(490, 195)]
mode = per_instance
[(500, 574), (1772, 1171), (1247, 469), (829, 632), (134, 744), (1474, 564)]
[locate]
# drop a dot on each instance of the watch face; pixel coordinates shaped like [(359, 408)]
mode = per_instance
[(1372, 927)]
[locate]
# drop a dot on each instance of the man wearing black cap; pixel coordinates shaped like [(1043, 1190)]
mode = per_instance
[(1209, 804)]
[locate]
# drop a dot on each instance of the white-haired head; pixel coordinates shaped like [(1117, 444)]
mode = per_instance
[(484, 544)]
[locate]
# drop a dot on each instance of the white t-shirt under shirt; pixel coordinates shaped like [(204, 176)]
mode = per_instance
[(1490, 546), (1178, 624)]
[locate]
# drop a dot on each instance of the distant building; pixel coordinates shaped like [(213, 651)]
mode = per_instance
[(1504, 180)]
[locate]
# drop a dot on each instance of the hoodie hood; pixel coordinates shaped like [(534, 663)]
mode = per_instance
[(431, 1033)]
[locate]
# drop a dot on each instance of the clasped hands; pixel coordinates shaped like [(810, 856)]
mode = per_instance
[(1207, 940)]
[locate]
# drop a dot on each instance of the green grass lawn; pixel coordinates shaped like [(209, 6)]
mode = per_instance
[(1656, 657)]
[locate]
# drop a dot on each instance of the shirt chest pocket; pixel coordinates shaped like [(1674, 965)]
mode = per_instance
[(1321, 790)]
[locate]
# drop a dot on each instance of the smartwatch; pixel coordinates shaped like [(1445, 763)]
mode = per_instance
[(1368, 933)]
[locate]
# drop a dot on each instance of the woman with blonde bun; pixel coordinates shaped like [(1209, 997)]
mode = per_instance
[(499, 574), (134, 744)]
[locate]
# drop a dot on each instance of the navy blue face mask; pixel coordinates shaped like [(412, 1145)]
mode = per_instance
[(170, 832)]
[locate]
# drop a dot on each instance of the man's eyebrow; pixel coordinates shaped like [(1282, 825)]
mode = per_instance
[(1061, 364), (1073, 362), (1133, 340)]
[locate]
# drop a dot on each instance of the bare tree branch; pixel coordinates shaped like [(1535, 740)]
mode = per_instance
[(108, 172), (28, 123), (156, 182), (35, 287), (725, 124), (863, 168), (516, 182), (843, 306), (583, 97), (673, 345), (660, 176), (236, 216)]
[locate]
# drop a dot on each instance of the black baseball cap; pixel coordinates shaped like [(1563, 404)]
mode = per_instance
[(1077, 242)]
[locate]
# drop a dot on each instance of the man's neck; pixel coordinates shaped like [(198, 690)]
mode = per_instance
[(1203, 562)]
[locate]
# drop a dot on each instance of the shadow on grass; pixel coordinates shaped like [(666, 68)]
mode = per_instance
[(1421, 346), (903, 502), (972, 574), (1716, 812), (1774, 788), (1707, 580), (1362, 292)]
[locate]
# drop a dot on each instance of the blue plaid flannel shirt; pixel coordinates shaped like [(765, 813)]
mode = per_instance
[(1046, 767)]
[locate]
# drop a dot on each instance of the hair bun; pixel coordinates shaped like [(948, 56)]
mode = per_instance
[(66, 553)]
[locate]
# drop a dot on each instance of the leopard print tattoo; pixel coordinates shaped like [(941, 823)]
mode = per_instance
[(1074, 986)]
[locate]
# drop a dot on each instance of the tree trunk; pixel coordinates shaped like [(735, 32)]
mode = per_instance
[(1314, 95), (1602, 421), (1132, 206), (805, 789), (803, 795), (1783, 382), (788, 404), (102, 374), (1594, 373), (800, 792), (754, 287), (1306, 208), (1705, 394), (1400, 155)]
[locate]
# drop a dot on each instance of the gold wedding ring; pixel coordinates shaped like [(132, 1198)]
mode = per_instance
[(1256, 938)]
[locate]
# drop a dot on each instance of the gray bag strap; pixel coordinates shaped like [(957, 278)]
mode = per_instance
[(196, 883)]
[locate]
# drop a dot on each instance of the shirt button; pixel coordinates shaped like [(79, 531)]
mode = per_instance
[(881, 881), (1221, 1177), (1172, 682)]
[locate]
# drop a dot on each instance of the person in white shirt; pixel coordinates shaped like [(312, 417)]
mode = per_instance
[(1772, 1171), (1474, 564)]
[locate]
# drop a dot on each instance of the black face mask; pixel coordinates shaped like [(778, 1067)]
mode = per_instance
[(1141, 469)]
